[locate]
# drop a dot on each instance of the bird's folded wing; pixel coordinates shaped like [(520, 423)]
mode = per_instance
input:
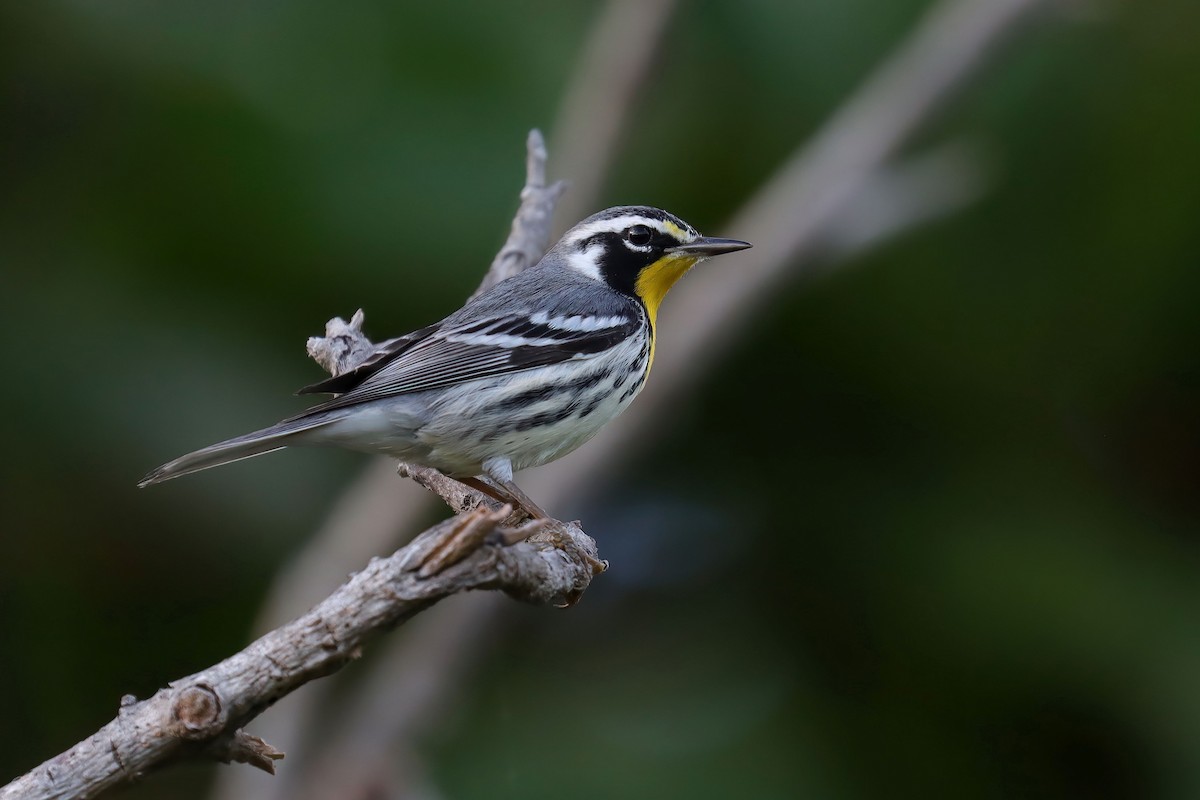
[(483, 348)]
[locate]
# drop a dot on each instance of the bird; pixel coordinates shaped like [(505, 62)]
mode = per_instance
[(521, 375)]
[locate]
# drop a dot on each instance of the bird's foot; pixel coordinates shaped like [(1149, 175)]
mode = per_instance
[(550, 531)]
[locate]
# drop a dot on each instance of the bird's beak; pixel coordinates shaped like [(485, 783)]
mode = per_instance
[(707, 246)]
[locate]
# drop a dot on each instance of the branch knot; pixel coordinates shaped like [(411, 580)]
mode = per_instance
[(198, 712)]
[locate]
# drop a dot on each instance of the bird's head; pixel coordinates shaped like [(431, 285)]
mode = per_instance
[(639, 251)]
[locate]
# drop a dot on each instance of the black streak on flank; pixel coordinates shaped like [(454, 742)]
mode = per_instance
[(545, 418), (634, 387), (592, 406), (531, 396), (642, 372)]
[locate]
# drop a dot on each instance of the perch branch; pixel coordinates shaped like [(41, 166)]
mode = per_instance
[(206, 711)]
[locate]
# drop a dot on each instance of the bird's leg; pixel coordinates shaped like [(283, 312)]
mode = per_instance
[(523, 500), (499, 471), (505, 494), (486, 488)]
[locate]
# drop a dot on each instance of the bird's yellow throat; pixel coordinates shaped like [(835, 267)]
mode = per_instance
[(652, 285), (654, 281)]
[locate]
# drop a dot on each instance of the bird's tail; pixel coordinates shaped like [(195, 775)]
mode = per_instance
[(266, 440)]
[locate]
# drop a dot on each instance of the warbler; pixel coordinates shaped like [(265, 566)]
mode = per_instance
[(519, 376)]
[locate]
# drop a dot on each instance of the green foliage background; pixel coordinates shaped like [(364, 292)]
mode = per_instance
[(939, 510)]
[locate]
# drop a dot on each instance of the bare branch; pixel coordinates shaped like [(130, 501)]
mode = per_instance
[(343, 347), (243, 748), (204, 712)]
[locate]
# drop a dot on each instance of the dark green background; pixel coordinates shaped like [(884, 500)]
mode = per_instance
[(940, 509)]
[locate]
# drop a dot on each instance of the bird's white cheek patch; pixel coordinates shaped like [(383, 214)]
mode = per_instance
[(586, 262)]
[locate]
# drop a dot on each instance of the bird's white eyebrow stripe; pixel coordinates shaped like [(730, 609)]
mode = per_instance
[(617, 224)]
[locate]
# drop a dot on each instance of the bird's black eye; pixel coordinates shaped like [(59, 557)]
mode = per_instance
[(639, 235)]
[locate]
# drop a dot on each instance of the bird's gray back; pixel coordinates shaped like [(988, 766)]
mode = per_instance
[(550, 287)]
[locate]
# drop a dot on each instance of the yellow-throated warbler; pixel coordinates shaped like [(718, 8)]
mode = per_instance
[(519, 376)]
